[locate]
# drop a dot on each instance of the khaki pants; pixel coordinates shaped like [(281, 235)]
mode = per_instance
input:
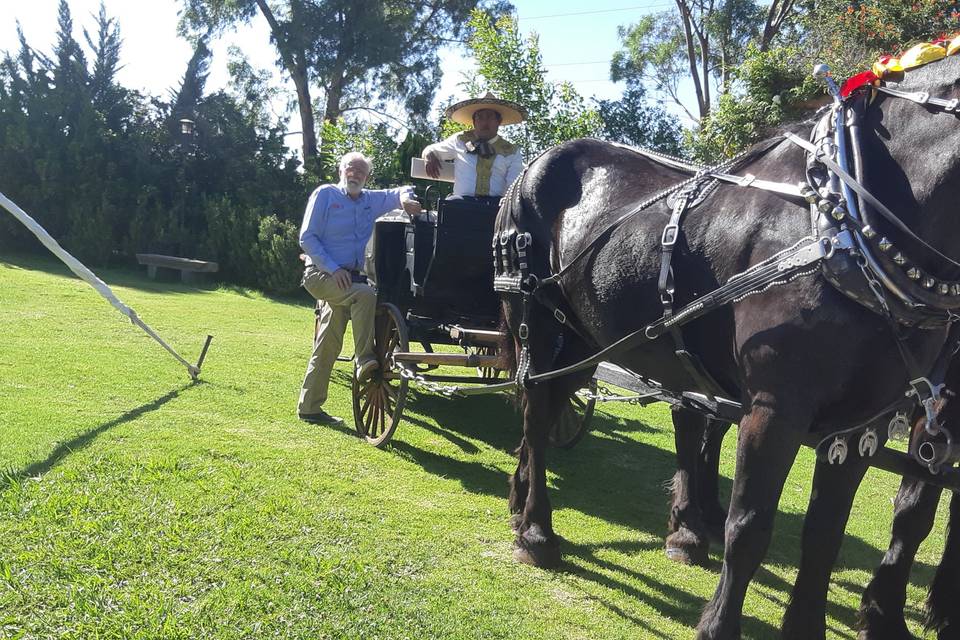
[(357, 304)]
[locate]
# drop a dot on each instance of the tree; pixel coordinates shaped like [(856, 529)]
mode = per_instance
[(702, 41), (512, 68), (850, 36), (633, 120), (362, 54)]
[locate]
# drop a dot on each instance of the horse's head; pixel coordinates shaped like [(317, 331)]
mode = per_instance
[(910, 159)]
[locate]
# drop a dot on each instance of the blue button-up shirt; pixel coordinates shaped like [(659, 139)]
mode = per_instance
[(336, 227)]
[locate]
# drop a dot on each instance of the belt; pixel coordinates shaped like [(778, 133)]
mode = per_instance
[(357, 276)]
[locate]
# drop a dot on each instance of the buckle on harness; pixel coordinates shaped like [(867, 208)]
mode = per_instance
[(927, 395), (670, 234), (952, 105), (560, 316), (920, 97), (523, 240)]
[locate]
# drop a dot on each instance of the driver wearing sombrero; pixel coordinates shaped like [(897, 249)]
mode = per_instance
[(484, 163)]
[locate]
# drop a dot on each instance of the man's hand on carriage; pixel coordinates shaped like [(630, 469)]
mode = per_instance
[(433, 165), (411, 206)]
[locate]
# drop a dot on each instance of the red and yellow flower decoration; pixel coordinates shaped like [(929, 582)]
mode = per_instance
[(916, 56)]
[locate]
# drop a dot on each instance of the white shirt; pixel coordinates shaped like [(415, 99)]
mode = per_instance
[(507, 165)]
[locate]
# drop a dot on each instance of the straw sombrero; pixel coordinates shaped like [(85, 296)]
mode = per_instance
[(510, 112)]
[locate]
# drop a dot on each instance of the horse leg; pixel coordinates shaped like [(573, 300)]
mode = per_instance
[(714, 514), (945, 591), (834, 487), (519, 486), (536, 542), (765, 453), (881, 608), (687, 540)]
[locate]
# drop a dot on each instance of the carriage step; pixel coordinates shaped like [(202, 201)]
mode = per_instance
[(451, 359), (476, 336)]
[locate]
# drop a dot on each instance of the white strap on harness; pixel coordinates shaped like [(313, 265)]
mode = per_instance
[(751, 180)]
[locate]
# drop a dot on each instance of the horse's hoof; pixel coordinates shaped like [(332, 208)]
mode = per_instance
[(687, 547), (538, 556), (533, 548)]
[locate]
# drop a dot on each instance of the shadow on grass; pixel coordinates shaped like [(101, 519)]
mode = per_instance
[(81, 441), (619, 480)]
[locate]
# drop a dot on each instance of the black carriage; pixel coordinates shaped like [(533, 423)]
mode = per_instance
[(434, 280)]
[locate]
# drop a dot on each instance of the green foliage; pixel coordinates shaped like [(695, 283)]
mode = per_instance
[(108, 173), (633, 120), (850, 36), (774, 86), (512, 67), (277, 255), (359, 54), (376, 141), (651, 51), (770, 87), (705, 42)]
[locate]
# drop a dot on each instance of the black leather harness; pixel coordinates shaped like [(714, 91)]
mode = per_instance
[(840, 245)]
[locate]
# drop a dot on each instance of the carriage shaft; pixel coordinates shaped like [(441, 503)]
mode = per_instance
[(904, 465), (451, 359)]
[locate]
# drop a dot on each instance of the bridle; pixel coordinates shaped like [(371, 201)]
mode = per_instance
[(849, 202)]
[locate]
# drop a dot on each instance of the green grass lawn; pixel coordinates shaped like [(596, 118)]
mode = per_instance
[(134, 504)]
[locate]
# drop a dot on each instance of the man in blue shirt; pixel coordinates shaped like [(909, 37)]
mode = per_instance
[(337, 225)]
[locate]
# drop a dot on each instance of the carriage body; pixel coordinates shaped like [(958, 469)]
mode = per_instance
[(434, 280), (437, 269)]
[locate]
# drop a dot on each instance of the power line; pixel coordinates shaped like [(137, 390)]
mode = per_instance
[(584, 13)]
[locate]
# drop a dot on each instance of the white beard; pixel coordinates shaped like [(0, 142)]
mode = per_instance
[(353, 187)]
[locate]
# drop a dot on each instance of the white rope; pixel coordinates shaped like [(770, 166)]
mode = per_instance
[(89, 277)]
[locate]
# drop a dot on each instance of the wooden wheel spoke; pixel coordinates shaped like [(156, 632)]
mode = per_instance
[(390, 407), (391, 341), (365, 405), (383, 410), (370, 419)]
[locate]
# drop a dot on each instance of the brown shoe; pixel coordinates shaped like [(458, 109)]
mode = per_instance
[(321, 417), (366, 368)]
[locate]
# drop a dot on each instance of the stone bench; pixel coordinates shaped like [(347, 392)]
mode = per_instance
[(185, 266)]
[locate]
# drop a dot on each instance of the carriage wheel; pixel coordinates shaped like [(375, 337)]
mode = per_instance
[(378, 400), (574, 420), (487, 372)]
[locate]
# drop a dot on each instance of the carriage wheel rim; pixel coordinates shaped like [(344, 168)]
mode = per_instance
[(573, 422), (377, 402)]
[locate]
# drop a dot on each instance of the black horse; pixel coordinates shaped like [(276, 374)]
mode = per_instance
[(802, 358)]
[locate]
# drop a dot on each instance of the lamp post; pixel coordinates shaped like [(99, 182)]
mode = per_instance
[(187, 132)]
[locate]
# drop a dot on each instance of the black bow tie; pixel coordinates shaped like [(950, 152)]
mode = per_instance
[(482, 148)]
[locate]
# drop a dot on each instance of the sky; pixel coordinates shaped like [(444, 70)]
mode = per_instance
[(577, 41)]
